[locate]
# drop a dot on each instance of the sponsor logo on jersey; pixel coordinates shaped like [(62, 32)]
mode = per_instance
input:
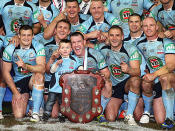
[(155, 62), (171, 27), (6, 55), (116, 71), (115, 22), (82, 28), (135, 56), (16, 24), (125, 13), (36, 14), (102, 63), (170, 46), (23, 71), (41, 52)]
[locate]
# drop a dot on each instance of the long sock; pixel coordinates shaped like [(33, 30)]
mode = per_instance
[(37, 97), (2, 93), (147, 103), (168, 101), (132, 102), (104, 102)]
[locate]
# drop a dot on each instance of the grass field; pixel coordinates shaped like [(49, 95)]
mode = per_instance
[(11, 124)]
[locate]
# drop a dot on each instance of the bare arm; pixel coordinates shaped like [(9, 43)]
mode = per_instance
[(55, 55), (8, 78), (36, 28), (38, 68), (168, 67), (134, 69), (49, 30), (107, 90)]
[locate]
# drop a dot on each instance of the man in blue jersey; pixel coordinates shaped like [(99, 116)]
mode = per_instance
[(124, 8), (123, 61), (97, 26), (136, 34), (2, 84), (165, 13), (47, 12), (159, 55), (28, 62), (16, 13), (72, 14), (94, 61), (62, 30)]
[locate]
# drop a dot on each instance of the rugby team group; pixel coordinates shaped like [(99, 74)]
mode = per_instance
[(130, 43)]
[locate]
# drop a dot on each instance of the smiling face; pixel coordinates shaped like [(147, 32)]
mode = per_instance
[(115, 37), (25, 37), (97, 10), (134, 24), (78, 45), (150, 27), (72, 9), (65, 49), (62, 30)]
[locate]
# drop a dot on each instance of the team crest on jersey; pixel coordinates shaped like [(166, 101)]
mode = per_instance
[(116, 71), (155, 62), (160, 49), (47, 17), (26, 14), (22, 71), (125, 13), (16, 24), (71, 65), (134, 3), (31, 56), (10, 12)]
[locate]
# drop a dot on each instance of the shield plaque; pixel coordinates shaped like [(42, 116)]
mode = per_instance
[(81, 95)]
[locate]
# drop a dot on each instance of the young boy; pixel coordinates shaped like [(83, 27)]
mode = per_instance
[(65, 63)]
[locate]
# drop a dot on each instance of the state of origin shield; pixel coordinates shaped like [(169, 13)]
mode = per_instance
[(81, 95)]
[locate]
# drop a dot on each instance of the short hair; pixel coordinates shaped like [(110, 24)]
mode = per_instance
[(25, 27), (64, 41), (135, 14), (72, 1), (77, 33), (116, 27), (98, 0), (65, 21)]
